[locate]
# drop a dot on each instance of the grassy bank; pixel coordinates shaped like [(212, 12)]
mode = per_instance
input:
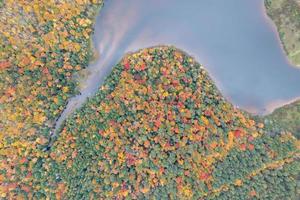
[(286, 16)]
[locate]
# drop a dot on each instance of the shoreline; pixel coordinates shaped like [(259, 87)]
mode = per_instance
[(275, 28), (94, 59)]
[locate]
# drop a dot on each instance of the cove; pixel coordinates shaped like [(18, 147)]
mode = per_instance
[(234, 40)]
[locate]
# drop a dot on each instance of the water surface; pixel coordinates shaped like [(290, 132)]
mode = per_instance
[(234, 39)]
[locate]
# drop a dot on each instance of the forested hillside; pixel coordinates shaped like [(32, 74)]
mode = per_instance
[(159, 128)]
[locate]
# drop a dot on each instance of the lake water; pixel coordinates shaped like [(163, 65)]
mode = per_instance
[(234, 39)]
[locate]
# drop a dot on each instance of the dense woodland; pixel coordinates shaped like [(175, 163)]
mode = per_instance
[(284, 118), (158, 128), (42, 44)]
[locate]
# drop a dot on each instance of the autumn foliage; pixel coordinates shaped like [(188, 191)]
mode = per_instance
[(42, 44), (159, 128)]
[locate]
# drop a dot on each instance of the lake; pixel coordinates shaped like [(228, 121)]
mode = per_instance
[(234, 40)]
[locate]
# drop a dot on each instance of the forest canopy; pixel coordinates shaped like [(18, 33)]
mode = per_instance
[(157, 128)]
